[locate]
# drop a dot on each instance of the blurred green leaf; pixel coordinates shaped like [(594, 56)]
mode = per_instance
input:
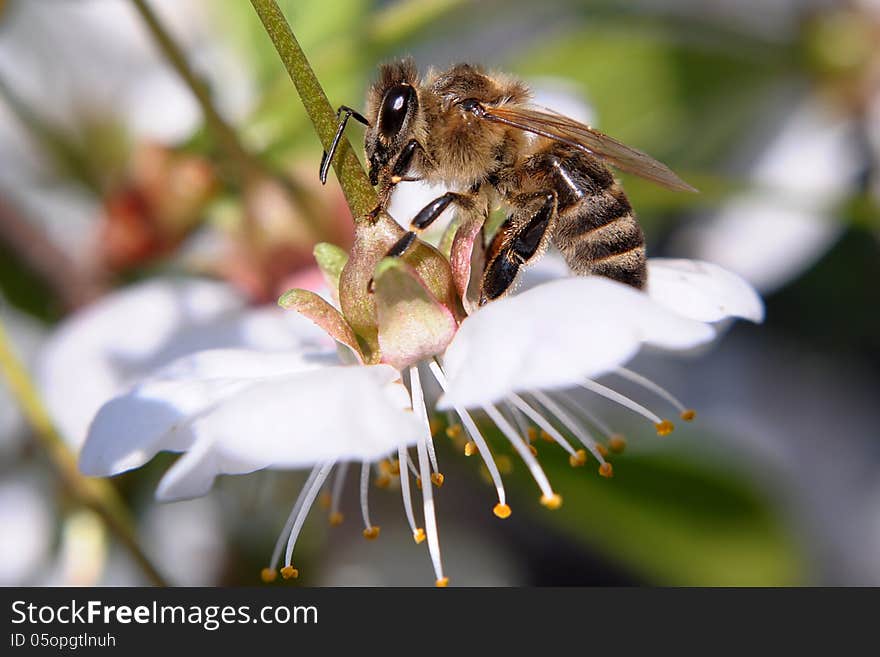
[(672, 520)]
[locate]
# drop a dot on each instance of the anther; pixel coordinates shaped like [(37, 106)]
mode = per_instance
[(533, 450), (578, 459), (395, 467), (501, 510), (382, 481), (336, 518), (617, 443), (606, 470), (442, 583), (453, 431), (602, 449), (532, 434), (688, 414), (419, 535), (419, 483), (546, 436), (664, 427), (470, 448), (552, 502), (268, 575), (289, 572), (437, 479), (371, 533), (324, 500)]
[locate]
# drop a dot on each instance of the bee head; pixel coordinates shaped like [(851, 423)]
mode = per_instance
[(393, 108)]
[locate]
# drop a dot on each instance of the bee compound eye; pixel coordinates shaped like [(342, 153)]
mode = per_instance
[(394, 109)]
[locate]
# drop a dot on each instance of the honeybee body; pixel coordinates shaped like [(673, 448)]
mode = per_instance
[(477, 135)]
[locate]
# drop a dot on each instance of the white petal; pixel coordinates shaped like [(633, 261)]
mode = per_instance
[(702, 290), (356, 413), (98, 352), (156, 415), (557, 334)]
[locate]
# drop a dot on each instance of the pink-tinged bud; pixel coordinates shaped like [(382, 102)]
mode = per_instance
[(372, 241), (413, 324)]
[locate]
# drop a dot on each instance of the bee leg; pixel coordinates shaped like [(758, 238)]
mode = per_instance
[(515, 244), (397, 249), (343, 114), (428, 214), (404, 160)]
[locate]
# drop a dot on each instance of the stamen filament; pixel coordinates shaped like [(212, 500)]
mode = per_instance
[(522, 448), (475, 435), (291, 518), (542, 422), (336, 492), (646, 383), (591, 417), (624, 401), (311, 494), (365, 491), (571, 424), (418, 402), (402, 455)]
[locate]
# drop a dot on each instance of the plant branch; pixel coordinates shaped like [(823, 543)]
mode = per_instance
[(353, 179), (97, 494)]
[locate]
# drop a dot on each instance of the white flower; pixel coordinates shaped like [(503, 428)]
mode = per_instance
[(233, 412), (101, 350)]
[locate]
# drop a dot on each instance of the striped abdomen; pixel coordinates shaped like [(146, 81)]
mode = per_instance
[(596, 230)]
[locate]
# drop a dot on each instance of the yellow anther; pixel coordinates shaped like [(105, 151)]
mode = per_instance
[(434, 425), (532, 434), (453, 430), (395, 467), (442, 583), (324, 501), (546, 437), (553, 501), (419, 483), (289, 572), (606, 470), (385, 467), (617, 443), (577, 459), (419, 535), (437, 479), (382, 481), (602, 449), (504, 463), (371, 533), (533, 450), (268, 575), (688, 414), (336, 518), (502, 511), (664, 428), (470, 448)]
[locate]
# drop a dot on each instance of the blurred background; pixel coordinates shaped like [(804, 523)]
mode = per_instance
[(158, 190)]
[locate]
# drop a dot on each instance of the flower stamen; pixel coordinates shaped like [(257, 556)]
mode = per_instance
[(686, 414), (418, 402), (519, 444), (288, 525), (370, 531), (311, 494), (405, 492), (336, 517), (479, 442), (542, 422), (577, 429), (662, 426)]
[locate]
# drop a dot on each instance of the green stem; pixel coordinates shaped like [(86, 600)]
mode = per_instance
[(97, 494), (353, 179)]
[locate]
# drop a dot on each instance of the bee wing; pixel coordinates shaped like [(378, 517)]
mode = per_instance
[(563, 129)]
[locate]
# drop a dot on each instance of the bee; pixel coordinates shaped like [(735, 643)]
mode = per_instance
[(478, 135)]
